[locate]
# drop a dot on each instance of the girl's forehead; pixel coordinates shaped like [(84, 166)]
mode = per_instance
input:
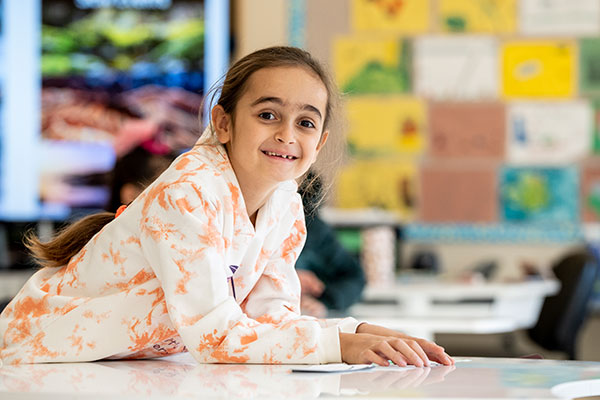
[(295, 84)]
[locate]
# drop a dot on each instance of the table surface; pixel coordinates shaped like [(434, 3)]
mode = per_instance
[(179, 377)]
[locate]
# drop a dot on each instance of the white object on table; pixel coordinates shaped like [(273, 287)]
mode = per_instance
[(425, 308)]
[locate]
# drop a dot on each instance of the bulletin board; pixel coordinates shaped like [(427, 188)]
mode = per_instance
[(488, 110)]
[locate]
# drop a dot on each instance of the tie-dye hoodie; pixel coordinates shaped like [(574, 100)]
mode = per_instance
[(182, 268)]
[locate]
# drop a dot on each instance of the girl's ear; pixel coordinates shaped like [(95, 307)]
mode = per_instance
[(324, 137), (221, 122)]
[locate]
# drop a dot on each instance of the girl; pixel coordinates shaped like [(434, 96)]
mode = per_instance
[(203, 260)]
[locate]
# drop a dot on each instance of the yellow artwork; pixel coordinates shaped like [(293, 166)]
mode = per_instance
[(370, 65), (386, 125), (488, 16), (396, 16), (381, 183), (540, 69)]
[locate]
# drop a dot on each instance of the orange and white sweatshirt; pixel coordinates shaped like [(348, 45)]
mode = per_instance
[(182, 268)]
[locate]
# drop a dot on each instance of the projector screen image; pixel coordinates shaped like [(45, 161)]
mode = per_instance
[(113, 80)]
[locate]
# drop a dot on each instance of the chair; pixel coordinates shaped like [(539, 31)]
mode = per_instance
[(563, 314)]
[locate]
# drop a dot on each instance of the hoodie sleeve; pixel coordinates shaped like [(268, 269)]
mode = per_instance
[(181, 236), (276, 296)]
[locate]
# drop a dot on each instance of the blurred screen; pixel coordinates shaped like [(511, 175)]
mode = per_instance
[(115, 79)]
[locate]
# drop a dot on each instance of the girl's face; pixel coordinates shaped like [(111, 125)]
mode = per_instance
[(278, 127)]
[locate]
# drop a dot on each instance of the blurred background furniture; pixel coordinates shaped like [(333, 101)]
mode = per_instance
[(563, 314), (435, 306)]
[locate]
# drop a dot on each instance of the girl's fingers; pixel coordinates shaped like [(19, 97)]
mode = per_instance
[(372, 357), (441, 357), (411, 356), (436, 353), (390, 353), (420, 351)]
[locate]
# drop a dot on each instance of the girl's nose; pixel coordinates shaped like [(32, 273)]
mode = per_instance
[(285, 135)]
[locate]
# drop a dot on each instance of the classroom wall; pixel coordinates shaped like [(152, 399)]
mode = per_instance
[(526, 198)]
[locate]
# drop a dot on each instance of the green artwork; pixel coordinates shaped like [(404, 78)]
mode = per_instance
[(589, 66), (377, 78), (372, 66), (539, 195), (456, 23), (593, 200), (596, 126)]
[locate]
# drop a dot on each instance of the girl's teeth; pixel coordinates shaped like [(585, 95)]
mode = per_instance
[(278, 155)]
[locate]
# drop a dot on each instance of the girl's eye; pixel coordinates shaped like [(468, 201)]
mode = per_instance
[(266, 115), (307, 124)]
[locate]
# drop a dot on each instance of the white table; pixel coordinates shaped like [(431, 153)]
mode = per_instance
[(180, 377), (425, 308)]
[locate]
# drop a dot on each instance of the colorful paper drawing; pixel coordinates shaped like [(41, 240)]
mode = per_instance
[(467, 130), (461, 68), (371, 66), (394, 16), (541, 69), (458, 192), (589, 66), (596, 126), (549, 133), (385, 125), (539, 195), (488, 16), (382, 183), (590, 192), (559, 17)]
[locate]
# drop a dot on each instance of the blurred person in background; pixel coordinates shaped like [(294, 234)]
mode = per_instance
[(133, 173), (331, 278)]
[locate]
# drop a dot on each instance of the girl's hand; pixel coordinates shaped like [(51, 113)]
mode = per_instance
[(365, 348), (309, 283), (433, 351), (313, 307)]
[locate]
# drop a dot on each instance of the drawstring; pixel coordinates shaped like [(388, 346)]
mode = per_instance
[(233, 268)]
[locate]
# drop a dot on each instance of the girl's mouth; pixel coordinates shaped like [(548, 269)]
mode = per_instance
[(284, 156)]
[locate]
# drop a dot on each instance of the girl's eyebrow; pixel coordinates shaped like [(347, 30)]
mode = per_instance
[(277, 100)]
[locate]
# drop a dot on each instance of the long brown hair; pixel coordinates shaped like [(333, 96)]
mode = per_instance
[(70, 240)]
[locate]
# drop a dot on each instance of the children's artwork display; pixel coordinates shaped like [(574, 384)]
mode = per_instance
[(496, 103), (387, 184), (549, 133), (539, 195), (385, 126), (559, 17), (467, 130), (392, 16), (453, 192), (538, 69), (589, 66), (590, 192), (487, 16), (367, 66), (457, 68)]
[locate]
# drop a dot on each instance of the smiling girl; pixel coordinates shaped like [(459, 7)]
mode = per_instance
[(203, 260)]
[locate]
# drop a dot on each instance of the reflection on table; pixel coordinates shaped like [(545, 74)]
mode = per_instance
[(180, 377), (423, 308)]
